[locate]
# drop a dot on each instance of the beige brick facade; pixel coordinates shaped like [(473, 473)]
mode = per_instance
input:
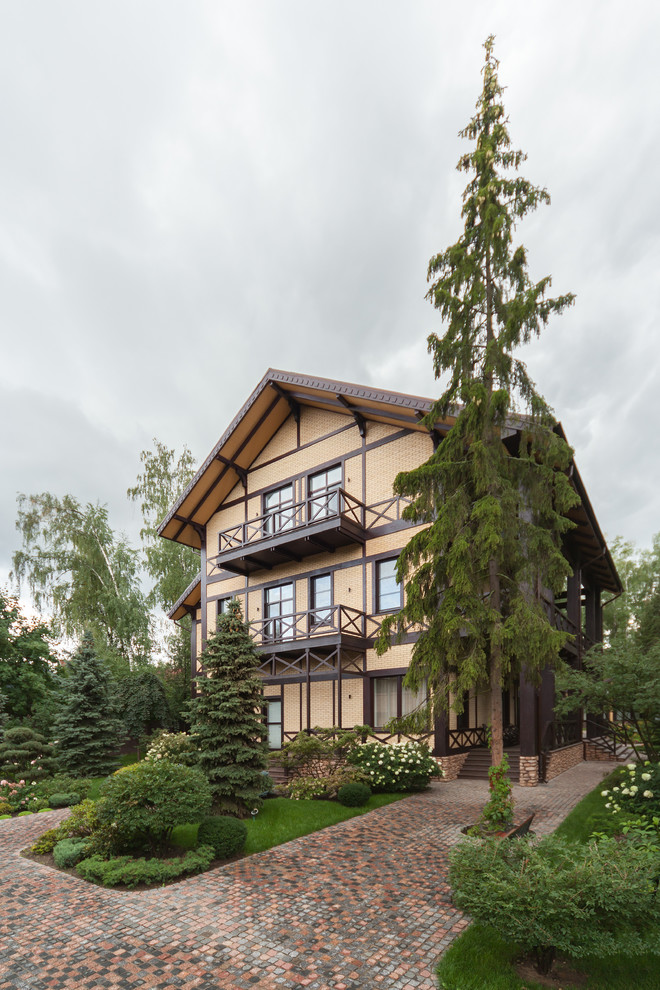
[(272, 536)]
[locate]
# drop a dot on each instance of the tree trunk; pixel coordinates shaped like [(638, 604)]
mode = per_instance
[(544, 959), (496, 726)]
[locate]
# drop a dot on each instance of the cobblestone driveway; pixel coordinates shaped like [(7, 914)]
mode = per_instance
[(363, 904)]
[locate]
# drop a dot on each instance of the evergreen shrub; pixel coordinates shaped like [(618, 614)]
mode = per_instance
[(354, 795), (25, 753), (226, 716), (557, 896), (400, 767), (143, 802), (82, 822), (64, 800), (125, 871), (68, 852), (5, 808), (226, 835)]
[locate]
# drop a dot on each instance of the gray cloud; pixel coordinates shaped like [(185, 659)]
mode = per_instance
[(191, 193)]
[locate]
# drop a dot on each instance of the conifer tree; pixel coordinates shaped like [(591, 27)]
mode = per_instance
[(226, 716), (494, 498), (87, 729)]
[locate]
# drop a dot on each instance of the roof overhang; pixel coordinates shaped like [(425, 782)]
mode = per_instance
[(280, 394)]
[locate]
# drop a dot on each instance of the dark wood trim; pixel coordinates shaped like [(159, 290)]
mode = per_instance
[(203, 592), (241, 472), (357, 416), (302, 680), (296, 450), (222, 474), (529, 743), (294, 406), (341, 459)]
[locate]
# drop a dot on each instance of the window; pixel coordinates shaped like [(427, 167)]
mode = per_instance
[(279, 510), (223, 605), (273, 713), (323, 490), (278, 613), (393, 700), (320, 601), (388, 589)]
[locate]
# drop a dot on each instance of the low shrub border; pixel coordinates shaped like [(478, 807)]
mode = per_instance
[(125, 871)]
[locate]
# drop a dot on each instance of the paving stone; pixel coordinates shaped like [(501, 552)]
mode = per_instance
[(361, 904)]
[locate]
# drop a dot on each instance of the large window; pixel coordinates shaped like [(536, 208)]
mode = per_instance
[(278, 613), (320, 601), (388, 589), (393, 700), (323, 490), (273, 713), (278, 510)]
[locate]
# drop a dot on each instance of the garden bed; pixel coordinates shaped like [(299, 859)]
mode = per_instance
[(280, 820)]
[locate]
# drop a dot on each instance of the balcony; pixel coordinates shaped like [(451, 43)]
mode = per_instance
[(329, 626), (318, 524)]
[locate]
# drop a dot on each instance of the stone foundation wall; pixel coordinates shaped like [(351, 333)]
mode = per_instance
[(563, 759), (529, 771), (451, 765), (593, 752)]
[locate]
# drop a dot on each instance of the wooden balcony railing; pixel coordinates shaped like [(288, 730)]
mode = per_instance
[(328, 620), (314, 509)]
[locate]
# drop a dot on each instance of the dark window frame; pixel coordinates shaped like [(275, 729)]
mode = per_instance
[(376, 588)]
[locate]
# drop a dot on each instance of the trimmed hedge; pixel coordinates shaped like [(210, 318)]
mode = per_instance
[(68, 852), (124, 871), (64, 800), (225, 835), (354, 795)]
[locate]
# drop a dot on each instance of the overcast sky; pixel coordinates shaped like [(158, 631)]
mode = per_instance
[(193, 192)]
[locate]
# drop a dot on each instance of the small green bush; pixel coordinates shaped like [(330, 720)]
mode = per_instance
[(64, 800), (5, 808), (354, 795), (226, 835), (557, 896), (124, 871), (143, 802), (4, 816), (21, 813), (68, 852), (82, 822)]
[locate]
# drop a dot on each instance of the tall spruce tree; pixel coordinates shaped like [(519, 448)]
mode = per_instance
[(87, 729), (494, 498), (226, 716)]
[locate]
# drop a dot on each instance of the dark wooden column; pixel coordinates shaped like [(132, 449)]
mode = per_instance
[(573, 594), (441, 735), (204, 579), (593, 615), (367, 705), (309, 714), (339, 686), (528, 717), (546, 706)]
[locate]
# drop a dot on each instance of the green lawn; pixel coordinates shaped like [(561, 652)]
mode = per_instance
[(281, 820), (481, 960)]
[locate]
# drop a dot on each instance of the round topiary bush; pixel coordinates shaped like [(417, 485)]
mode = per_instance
[(354, 795), (143, 802), (64, 800), (68, 852), (5, 808), (226, 835)]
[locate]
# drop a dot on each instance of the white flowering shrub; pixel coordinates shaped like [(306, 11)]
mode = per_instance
[(177, 747), (636, 792), (400, 767)]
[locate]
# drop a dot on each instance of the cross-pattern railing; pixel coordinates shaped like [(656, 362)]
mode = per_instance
[(387, 511), (327, 620), (467, 738), (313, 509)]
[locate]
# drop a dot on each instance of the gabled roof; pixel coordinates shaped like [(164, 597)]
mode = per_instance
[(277, 395), (280, 394)]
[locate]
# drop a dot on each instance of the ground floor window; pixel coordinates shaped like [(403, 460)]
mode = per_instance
[(392, 699), (273, 713)]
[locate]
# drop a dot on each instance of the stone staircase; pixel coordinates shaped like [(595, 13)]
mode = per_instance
[(478, 761)]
